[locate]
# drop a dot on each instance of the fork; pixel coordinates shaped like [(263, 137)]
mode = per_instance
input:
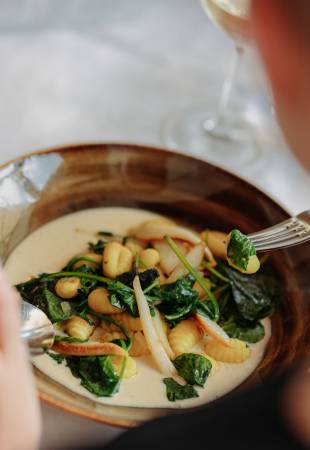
[(293, 231)]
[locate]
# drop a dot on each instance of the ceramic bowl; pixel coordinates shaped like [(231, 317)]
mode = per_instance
[(42, 186)]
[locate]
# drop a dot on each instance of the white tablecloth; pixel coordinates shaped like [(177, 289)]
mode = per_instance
[(112, 70)]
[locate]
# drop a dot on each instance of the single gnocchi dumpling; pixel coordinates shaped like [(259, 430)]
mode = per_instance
[(68, 288), (238, 351), (149, 258), (217, 242), (79, 328), (117, 259), (184, 336)]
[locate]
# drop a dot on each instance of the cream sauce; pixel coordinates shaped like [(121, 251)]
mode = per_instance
[(50, 247)]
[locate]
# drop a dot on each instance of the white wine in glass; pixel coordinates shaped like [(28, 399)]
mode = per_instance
[(231, 15)]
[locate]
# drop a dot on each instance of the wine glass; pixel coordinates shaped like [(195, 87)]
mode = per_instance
[(228, 130)]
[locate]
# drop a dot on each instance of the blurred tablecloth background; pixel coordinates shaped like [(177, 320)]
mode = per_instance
[(79, 70)]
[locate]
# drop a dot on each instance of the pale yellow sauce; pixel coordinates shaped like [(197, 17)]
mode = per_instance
[(50, 247)]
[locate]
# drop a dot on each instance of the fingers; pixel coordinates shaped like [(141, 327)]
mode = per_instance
[(279, 43), (282, 32), (9, 314)]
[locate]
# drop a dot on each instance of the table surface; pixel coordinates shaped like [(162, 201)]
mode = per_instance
[(79, 71)]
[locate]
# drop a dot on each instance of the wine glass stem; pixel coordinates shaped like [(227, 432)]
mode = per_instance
[(216, 125)]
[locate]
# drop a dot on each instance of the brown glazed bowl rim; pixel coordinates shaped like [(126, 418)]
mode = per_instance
[(101, 418), (69, 146)]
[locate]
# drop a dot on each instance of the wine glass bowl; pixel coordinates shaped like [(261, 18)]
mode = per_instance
[(230, 15), (222, 129)]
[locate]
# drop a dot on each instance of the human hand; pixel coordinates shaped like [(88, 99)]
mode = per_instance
[(282, 32), (20, 422)]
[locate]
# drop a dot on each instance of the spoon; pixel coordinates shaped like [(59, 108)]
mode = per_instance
[(36, 329)]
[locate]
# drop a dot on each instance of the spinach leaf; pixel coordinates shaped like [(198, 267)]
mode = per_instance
[(53, 306), (122, 296), (178, 299), (97, 247), (212, 306), (121, 292), (239, 249), (146, 278), (255, 296), (49, 303), (28, 289), (176, 391), (97, 374), (250, 332), (39, 294), (193, 368)]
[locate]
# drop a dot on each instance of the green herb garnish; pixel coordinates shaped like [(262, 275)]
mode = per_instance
[(255, 297), (178, 299), (176, 391), (240, 249), (97, 374), (200, 280), (193, 368), (248, 332), (97, 247)]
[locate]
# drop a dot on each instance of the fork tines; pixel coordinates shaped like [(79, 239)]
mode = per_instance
[(285, 234)]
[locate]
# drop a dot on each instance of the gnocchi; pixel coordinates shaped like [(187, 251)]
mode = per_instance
[(217, 243), (117, 259), (98, 301), (149, 258), (238, 351), (184, 336), (68, 288), (79, 328)]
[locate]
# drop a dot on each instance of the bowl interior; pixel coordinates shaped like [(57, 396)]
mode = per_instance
[(43, 186)]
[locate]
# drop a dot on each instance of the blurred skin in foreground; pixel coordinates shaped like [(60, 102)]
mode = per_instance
[(282, 32), (20, 422)]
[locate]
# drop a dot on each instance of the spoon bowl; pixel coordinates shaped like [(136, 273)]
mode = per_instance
[(36, 329)]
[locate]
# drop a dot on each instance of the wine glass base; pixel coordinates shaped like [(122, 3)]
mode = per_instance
[(227, 131), (233, 146)]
